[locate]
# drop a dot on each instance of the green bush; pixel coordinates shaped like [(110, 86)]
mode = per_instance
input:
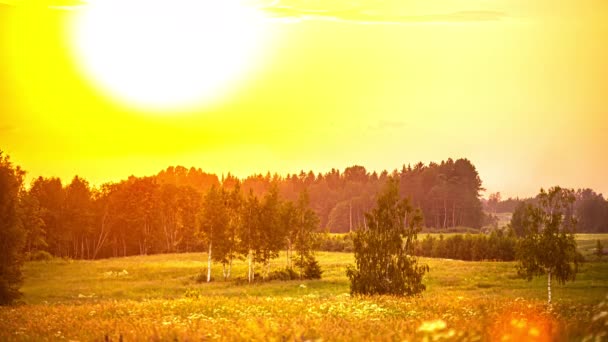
[(283, 274), (38, 256)]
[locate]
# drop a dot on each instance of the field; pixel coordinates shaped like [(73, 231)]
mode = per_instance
[(157, 298)]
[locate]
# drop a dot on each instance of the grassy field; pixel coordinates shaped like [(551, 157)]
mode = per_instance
[(157, 298)]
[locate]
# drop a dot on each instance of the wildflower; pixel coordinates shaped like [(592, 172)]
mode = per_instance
[(431, 326)]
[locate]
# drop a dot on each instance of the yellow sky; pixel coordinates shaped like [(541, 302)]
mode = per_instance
[(518, 87)]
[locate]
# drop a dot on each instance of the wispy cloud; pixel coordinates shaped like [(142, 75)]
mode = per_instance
[(367, 14)]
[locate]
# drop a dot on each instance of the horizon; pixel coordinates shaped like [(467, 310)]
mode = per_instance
[(516, 88)]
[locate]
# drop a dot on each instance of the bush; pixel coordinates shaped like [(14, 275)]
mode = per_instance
[(202, 277), (312, 269), (38, 256), (283, 274), (336, 243), (308, 266), (470, 247)]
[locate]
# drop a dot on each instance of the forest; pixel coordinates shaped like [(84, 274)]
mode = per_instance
[(163, 213)]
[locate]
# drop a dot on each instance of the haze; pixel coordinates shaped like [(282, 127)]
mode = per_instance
[(517, 87)]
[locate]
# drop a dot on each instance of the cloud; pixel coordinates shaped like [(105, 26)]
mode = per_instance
[(370, 15)]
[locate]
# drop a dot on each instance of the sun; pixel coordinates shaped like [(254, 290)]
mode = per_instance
[(166, 55)]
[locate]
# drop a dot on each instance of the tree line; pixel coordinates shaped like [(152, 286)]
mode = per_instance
[(497, 246), (163, 213), (589, 208)]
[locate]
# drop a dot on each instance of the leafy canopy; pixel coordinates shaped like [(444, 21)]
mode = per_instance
[(384, 248)]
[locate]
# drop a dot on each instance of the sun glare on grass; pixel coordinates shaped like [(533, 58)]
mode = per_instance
[(166, 55)]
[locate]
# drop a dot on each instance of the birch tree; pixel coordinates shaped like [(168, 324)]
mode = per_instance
[(250, 232), (213, 225), (548, 245), (384, 261)]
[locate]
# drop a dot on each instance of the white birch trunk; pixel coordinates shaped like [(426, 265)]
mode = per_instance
[(549, 286), (209, 263), (250, 273)]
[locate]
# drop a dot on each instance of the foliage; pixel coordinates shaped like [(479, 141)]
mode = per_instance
[(336, 242), (12, 234), (497, 246), (591, 210), (519, 219), (306, 223), (383, 249), (283, 274), (308, 266), (38, 256), (548, 245)]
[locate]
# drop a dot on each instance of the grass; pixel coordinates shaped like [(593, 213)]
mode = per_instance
[(156, 297)]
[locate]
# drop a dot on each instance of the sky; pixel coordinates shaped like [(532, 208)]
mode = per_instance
[(517, 87)]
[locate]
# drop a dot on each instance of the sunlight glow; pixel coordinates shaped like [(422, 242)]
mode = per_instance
[(158, 55)]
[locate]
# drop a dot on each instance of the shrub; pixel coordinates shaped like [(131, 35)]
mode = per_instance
[(38, 256), (283, 274)]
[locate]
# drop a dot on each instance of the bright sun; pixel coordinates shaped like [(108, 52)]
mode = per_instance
[(166, 55)]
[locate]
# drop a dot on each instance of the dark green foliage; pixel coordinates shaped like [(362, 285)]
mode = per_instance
[(384, 263), (309, 267), (497, 246), (336, 243), (548, 245), (202, 276), (12, 234), (306, 223), (283, 274), (519, 219), (38, 256), (591, 210)]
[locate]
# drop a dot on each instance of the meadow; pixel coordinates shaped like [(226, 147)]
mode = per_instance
[(158, 297)]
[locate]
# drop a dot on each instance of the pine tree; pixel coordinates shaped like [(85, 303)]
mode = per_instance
[(12, 234), (384, 250), (548, 245)]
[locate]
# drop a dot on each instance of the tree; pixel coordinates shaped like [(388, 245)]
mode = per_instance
[(518, 219), (493, 201), (548, 245), (213, 223), (12, 234), (77, 217), (306, 223), (384, 261), (31, 219), (250, 231), (599, 250)]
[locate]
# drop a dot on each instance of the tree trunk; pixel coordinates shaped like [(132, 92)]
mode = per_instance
[(549, 287), (445, 213), (350, 216), (249, 273), (287, 253), (209, 263), (453, 214)]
